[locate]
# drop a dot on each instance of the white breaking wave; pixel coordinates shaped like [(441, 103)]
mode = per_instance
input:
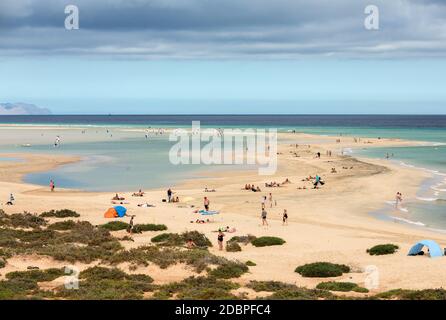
[(417, 223), (427, 199)]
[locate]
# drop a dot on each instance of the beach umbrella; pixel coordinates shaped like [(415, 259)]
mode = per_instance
[(120, 210)]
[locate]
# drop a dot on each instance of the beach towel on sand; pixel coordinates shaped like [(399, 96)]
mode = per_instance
[(208, 213)]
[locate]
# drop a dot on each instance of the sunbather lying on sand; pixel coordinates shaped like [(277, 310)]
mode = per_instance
[(146, 205), (117, 197), (209, 190), (138, 194)]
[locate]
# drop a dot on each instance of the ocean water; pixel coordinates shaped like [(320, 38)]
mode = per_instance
[(129, 162)]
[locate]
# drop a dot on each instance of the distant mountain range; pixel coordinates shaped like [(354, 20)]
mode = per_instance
[(22, 109)]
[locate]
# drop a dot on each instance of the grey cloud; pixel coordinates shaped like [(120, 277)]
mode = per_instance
[(223, 29)]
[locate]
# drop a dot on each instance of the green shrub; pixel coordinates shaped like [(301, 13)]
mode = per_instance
[(62, 225), (243, 239), (64, 213), (341, 286), (270, 286), (382, 249), (427, 294), (250, 263), (229, 270), (36, 275), (16, 289), (100, 273), (149, 227), (322, 270), (232, 246), (174, 239), (267, 241), (2, 263), (198, 288), (22, 220), (115, 225), (300, 294), (163, 237)]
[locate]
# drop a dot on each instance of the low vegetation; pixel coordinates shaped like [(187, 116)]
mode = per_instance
[(299, 293), (243, 239), (250, 263), (149, 227), (341, 286), (229, 270), (270, 286), (322, 270), (24, 220), (36, 275), (64, 213), (197, 288), (267, 241), (175, 239), (400, 294), (382, 249), (232, 246), (62, 225), (115, 225)]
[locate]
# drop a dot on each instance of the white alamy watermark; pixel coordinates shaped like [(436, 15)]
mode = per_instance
[(225, 146), (371, 21), (72, 280), (372, 277), (72, 18)]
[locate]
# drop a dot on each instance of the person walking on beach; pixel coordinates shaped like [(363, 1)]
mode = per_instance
[(285, 217), (220, 238), (206, 203), (263, 202), (169, 195), (270, 196), (264, 214), (398, 199), (11, 200), (52, 185), (130, 228)]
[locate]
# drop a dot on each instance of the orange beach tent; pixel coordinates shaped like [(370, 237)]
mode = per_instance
[(111, 213)]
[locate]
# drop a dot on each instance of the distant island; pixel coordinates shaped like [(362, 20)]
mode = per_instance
[(22, 109)]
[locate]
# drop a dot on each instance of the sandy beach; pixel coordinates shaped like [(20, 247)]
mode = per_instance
[(332, 223)]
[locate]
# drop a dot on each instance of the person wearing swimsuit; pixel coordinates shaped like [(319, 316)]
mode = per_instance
[(220, 238)]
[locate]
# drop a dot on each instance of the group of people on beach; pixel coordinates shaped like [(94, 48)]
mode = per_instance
[(252, 187)]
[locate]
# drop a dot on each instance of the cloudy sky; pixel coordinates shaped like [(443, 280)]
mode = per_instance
[(224, 56)]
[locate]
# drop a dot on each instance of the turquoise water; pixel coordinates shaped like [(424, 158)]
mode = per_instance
[(116, 165), (124, 163), (429, 207)]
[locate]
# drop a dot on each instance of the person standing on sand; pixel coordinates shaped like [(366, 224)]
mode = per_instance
[(11, 200), (220, 238), (52, 185), (263, 202), (130, 228), (270, 199), (264, 214), (206, 203), (169, 195), (398, 199), (285, 217)]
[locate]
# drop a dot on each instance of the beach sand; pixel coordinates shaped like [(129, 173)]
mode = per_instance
[(330, 224)]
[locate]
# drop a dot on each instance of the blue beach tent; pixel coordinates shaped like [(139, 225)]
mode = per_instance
[(434, 248), (121, 211)]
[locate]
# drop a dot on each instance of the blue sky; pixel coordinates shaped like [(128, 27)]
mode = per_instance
[(316, 86), (197, 56)]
